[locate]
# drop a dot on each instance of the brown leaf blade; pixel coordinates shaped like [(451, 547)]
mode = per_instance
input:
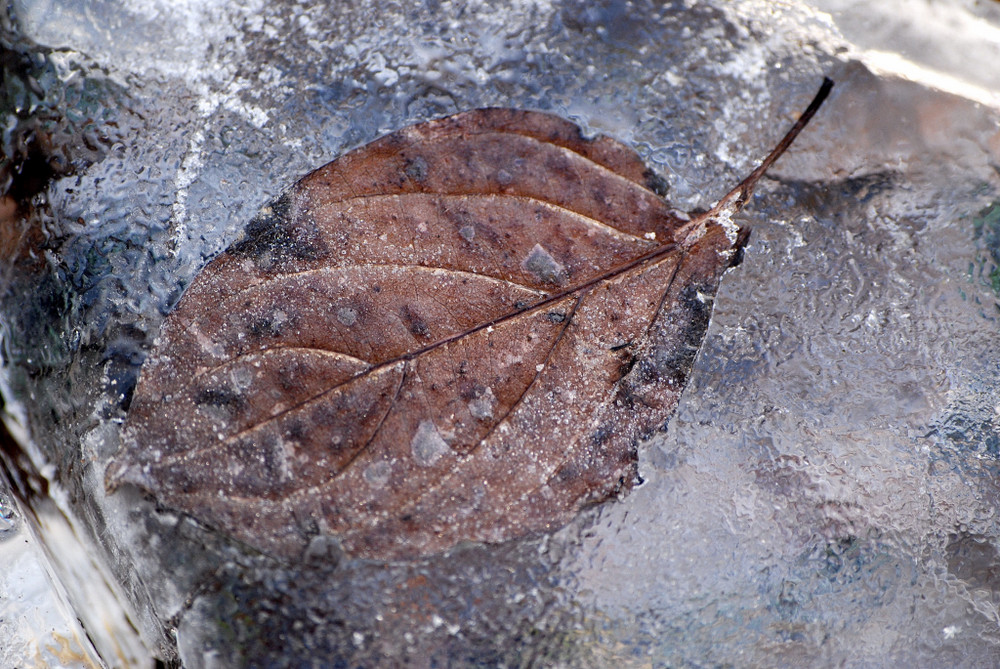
[(458, 332)]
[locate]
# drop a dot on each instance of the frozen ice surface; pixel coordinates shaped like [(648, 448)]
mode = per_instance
[(35, 628), (826, 493), (917, 39), (38, 628)]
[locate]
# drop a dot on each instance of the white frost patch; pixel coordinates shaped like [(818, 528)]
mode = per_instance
[(749, 64), (427, 444), (674, 79), (176, 38), (210, 102), (725, 219), (722, 150), (437, 621), (382, 73), (189, 170), (524, 6)]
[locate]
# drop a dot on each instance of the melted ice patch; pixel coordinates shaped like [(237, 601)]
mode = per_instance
[(542, 265), (427, 444), (482, 406), (347, 316), (377, 474)]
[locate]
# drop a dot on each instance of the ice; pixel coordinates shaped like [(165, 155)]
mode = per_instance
[(916, 40), (826, 492), (38, 624)]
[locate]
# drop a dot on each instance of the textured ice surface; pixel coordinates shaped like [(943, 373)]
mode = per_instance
[(38, 625), (826, 492)]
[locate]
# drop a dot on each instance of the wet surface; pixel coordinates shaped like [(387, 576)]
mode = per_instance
[(825, 493)]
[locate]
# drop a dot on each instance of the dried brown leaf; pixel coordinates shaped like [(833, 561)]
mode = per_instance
[(459, 332)]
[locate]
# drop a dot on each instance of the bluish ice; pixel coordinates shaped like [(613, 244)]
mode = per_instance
[(826, 493)]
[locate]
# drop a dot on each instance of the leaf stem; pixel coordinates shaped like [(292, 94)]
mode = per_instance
[(743, 191)]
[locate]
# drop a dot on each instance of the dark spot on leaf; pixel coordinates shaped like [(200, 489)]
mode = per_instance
[(414, 323), (219, 397), (274, 236), (566, 473), (266, 231), (603, 433), (656, 183), (297, 430), (271, 325), (627, 362)]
